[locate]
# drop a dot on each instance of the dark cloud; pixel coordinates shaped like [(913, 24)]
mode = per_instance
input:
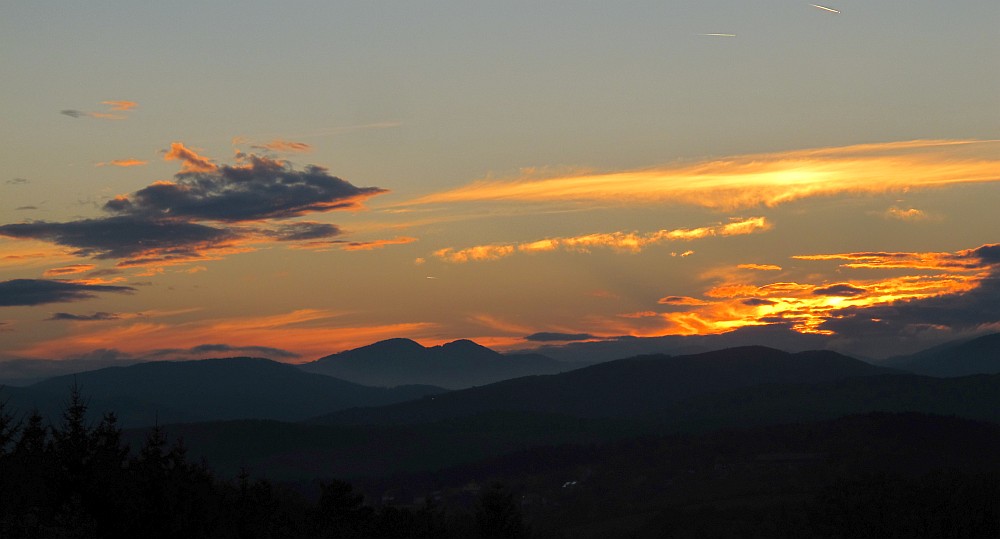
[(841, 289), (304, 231), (546, 336), (98, 316), (26, 208), (73, 113), (39, 291), (206, 349), (758, 302), (16, 181), (123, 237), (261, 189), (164, 223), (989, 254)]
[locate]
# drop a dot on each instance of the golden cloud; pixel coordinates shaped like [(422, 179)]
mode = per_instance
[(806, 306), (619, 241), (758, 179)]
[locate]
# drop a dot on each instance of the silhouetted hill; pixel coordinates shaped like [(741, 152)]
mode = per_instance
[(624, 387), (457, 364), (972, 397), (959, 358), (203, 390)]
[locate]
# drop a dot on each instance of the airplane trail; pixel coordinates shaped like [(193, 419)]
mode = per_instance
[(718, 35), (824, 8)]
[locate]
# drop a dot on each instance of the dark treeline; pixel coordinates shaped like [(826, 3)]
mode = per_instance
[(873, 475), (80, 480)]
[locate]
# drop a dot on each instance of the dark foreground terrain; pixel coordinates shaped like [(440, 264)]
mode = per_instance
[(870, 475)]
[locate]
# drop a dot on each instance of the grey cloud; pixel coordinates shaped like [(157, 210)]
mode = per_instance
[(304, 231), (758, 302), (545, 336), (204, 349), (263, 189), (842, 289), (16, 181), (73, 113), (98, 316), (19, 208), (989, 254), (122, 237), (26, 292)]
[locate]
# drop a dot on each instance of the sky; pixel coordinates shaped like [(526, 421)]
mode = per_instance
[(192, 180)]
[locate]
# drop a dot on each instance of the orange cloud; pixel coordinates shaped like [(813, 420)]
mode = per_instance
[(309, 332), (619, 241), (759, 267), (805, 307), (965, 260), (761, 179), (120, 106), (68, 270), (192, 162), (124, 163)]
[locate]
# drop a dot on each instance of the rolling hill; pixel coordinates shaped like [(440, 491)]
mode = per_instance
[(457, 364), (959, 358), (624, 387), (205, 390)]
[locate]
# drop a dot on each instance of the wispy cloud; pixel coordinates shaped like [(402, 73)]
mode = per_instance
[(124, 163), (548, 336), (114, 111), (96, 317), (620, 241), (759, 179), (287, 146), (307, 332), (759, 267), (68, 270)]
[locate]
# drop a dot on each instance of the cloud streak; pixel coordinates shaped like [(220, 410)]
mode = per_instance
[(96, 317), (747, 181), (112, 113), (30, 292), (619, 241)]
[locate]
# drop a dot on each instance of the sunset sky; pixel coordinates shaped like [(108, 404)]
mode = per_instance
[(290, 180)]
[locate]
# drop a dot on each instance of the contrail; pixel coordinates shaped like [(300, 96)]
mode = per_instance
[(824, 8), (718, 35)]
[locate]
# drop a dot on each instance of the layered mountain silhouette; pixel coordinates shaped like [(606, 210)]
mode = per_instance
[(454, 365), (204, 390), (980, 355), (624, 387)]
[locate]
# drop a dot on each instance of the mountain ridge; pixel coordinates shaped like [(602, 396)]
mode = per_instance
[(455, 365)]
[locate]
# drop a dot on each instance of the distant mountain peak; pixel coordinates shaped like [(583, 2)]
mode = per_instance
[(464, 345)]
